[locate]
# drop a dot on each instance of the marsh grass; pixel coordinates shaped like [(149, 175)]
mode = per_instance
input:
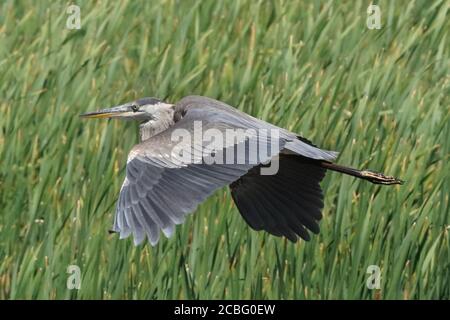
[(380, 97)]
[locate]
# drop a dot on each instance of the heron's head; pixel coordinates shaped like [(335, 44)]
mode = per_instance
[(143, 110)]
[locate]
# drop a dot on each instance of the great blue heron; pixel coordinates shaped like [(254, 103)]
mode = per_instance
[(160, 190)]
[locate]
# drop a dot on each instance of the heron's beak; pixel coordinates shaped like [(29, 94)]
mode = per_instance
[(121, 111)]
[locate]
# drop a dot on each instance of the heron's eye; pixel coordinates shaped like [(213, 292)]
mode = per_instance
[(134, 107)]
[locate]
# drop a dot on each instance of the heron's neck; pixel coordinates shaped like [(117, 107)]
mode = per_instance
[(163, 119)]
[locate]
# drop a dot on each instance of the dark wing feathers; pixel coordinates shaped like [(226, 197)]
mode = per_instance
[(283, 204)]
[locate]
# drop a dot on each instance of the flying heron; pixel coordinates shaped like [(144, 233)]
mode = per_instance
[(160, 190)]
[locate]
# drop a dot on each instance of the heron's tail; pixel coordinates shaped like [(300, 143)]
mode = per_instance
[(372, 176)]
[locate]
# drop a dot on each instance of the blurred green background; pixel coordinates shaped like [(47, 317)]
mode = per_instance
[(381, 97)]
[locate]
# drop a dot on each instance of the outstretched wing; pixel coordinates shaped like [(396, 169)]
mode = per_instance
[(160, 189), (155, 198)]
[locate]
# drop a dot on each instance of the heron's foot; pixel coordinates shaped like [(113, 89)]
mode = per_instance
[(379, 178)]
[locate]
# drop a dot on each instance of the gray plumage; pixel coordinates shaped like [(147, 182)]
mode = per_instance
[(160, 190)]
